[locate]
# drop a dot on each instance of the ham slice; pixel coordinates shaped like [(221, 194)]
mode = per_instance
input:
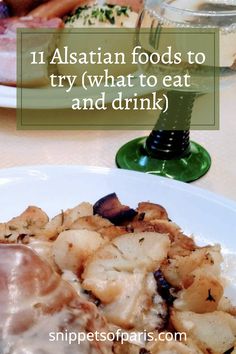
[(34, 301), (8, 58), (22, 7)]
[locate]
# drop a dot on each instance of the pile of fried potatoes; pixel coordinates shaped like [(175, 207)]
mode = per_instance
[(139, 268)]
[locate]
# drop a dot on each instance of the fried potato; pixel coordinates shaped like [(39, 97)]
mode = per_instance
[(202, 296), (71, 215), (72, 248), (28, 223), (117, 274), (143, 251), (212, 332), (125, 289), (173, 347), (138, 306), (178, 271), (91, 222), (119, 267), (112, 232), (152, 211), (126, 348), (64, 220)]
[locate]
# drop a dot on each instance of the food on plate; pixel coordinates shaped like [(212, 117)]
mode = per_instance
[(215, 331), (35, 300), (8, 60), (111, 208), (99, 16), (56, 8), (135, 5), (22, 7), (87, 8), (111, 268), (57, 14), (102, 16)]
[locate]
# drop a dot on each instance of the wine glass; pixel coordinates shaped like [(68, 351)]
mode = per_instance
[(169, 152)]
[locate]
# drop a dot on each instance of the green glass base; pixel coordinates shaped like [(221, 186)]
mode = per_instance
[(132, 156)]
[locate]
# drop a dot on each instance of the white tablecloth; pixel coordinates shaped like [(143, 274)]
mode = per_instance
[(99, 147)]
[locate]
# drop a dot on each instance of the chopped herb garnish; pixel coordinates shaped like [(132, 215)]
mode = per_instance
[(123, 10), (102, 14), (210, 297), (109, 16)]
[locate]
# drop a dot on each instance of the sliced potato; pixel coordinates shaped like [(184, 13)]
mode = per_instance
[(144, 251), (138, 306), (64, 220), (112, 232), (72, 248), (174, 347), (91, 222), (203, 295), (122, 310), (117, 275), (126, 348), (152, 211), (178, 270), (213, 332), (28, 223)]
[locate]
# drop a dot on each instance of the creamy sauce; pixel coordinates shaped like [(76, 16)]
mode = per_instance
[(44, 331), (74, 281)]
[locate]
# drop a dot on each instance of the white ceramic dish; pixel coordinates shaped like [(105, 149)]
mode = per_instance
[(58, 98), (209, 217)]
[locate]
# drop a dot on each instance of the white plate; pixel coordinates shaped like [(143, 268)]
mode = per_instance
[(7, 96), (209, 217), (58, 98)]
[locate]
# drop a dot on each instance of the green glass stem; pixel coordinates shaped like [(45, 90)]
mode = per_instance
[(169, 152)]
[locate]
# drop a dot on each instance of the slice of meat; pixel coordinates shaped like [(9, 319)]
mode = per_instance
[(58, 8), (34, 301), (22, 7), (8, 28), (136, 5)]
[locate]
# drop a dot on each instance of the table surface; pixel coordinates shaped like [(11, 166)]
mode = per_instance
[(98, 148)]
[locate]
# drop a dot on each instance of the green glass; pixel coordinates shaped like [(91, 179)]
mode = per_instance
[(168, 151), (133, 156)]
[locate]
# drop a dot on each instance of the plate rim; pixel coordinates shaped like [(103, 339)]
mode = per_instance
[(11, 94), (185, 187)]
